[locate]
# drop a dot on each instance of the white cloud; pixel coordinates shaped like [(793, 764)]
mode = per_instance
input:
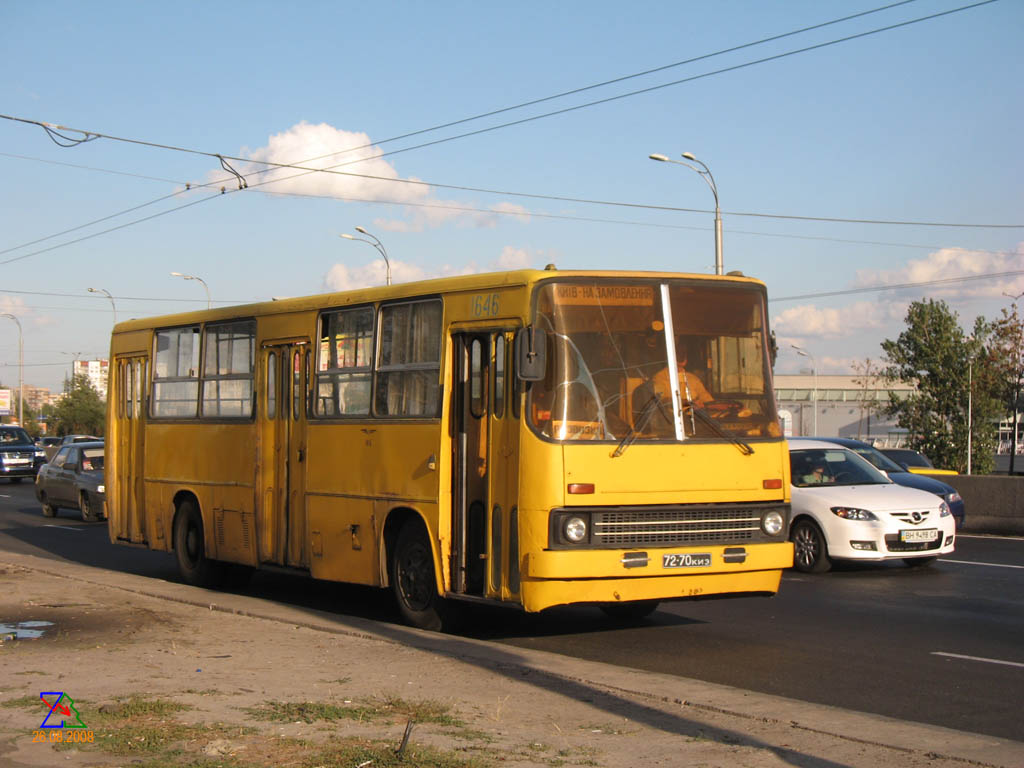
[(811, 321), (341, 277), (513, 258), (950, 264), (352, 157)]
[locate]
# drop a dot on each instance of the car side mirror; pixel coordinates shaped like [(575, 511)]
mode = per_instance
[(531, 354)]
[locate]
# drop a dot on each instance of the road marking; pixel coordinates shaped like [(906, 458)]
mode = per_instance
[(978, 658), (972, 562), (63, 527), (988, 536)]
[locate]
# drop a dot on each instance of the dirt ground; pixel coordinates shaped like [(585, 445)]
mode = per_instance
[(160, 674)]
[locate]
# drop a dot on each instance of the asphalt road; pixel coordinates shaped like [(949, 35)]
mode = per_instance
[(941, 645)]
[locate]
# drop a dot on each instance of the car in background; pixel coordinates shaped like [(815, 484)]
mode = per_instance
[(73, 479), (914, 461), (19, 456), (900, 476), (52, 449), (845, 508)]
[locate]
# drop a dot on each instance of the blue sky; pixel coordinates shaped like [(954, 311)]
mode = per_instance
[(916, 124)]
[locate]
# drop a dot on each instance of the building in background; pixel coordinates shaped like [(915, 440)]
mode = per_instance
[(96, 371), (847, 406)]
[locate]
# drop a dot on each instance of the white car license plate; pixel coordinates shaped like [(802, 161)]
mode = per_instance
[(16, 461), (929, 534), (688, 560)]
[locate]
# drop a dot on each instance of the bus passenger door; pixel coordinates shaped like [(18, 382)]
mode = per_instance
[(503, 471), (485, 463), (126, 507), (282, 414)]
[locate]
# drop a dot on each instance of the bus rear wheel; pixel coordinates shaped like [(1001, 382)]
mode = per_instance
[(190, 549), (413, 581)]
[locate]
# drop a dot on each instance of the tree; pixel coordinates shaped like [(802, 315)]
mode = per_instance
[(1007, 358), (80, 411), (955, 385), (868, 374)]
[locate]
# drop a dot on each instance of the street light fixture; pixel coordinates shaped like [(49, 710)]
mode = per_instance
[(106, 293), (376, 243), (21, 369), (705, 173), (193, 277), (814, 369)]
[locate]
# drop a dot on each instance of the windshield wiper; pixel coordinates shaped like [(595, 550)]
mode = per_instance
[(654, 404), (745, 448)]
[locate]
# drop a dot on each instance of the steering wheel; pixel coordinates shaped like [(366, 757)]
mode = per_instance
[(843, 477), (721, 409)]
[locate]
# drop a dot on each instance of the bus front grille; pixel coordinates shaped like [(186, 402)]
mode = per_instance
[(667, 525), (677, 526)]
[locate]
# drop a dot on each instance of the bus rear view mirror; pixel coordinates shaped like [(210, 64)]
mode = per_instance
[(531, 354)]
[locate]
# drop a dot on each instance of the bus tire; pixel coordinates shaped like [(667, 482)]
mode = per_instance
[(413, 581), (190, 549), (628, 612)]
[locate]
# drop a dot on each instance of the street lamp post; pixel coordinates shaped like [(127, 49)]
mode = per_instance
[(107, 294), (376, 243), (705, 173), (814, 369), (21, 369), (193, 277)]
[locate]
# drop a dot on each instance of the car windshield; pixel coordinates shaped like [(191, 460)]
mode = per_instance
[(814, 467), (609, 343), (14, 436), (879, 459)]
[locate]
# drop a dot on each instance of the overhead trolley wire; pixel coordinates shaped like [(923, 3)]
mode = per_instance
[(91, 135)]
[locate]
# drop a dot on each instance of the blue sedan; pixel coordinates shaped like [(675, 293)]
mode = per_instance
[(902, 477)]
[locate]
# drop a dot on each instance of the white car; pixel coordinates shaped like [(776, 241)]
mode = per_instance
[(845, 508)]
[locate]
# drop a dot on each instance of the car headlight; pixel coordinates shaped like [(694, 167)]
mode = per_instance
[(40, 453), (772, 523), (575, 529), (101, 489), (953, 497), (944, 509), (852, 513)]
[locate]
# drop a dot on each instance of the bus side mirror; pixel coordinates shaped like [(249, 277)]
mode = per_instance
[(531, 354)]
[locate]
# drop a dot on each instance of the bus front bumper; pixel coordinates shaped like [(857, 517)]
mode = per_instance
[(554, 578)]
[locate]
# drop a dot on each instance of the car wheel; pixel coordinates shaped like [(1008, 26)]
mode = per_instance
[(48, 509), (810, 552), (88, 515), (190, 549), (17, 479), (919, 562), (413, 581), (629, 612)]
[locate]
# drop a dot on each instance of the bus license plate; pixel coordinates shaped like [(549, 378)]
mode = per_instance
[(931, 534), (688, 560)]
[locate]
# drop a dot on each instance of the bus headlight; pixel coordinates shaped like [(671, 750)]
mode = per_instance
[(575, 529), (772, 523)]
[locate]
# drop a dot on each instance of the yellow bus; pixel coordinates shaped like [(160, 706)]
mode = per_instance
[(537, 438)]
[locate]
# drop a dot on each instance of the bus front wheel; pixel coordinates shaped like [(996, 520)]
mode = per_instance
[(190, 549), (413, 580)]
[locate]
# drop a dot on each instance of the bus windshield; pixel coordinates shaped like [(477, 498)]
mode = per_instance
[(653, 361)]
